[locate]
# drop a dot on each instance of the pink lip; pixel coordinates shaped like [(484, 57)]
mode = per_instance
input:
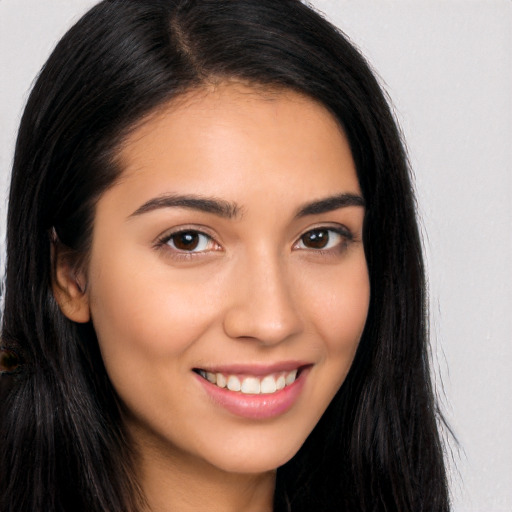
[(258, 407)]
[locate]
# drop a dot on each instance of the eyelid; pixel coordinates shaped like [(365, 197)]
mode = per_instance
[(199, 228)]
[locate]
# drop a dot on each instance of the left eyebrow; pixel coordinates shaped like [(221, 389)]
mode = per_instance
[(330, 204)]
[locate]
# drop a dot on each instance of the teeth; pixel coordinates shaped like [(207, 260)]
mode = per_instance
[(234, 383), (290, 377), (251, 385), (221, 380), (268, 385)]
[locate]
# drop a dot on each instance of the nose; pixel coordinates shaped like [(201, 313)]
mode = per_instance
[(262, 303)]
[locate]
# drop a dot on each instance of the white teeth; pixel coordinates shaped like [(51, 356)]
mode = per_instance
[(290, 377), (251, 385), (233, 383), (268, 385), (221, 380), (280, 382)]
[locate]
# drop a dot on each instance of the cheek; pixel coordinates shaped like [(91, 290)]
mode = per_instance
[(339, 315), (144, 317), (340, 307), (146, 328)]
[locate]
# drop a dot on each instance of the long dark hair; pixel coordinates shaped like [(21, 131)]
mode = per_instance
[(63, 445)]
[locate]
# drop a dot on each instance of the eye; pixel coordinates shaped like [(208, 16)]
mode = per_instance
[(190, 241), (323, 239)]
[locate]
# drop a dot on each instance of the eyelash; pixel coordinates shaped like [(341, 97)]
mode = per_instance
[(344, 234)]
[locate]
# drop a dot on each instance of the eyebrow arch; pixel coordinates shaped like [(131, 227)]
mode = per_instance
[(213, 205), (330, 204)]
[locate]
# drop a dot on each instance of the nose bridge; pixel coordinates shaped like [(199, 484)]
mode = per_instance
[(263, 305)]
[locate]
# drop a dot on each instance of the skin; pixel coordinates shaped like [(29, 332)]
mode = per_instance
[(254, 291)]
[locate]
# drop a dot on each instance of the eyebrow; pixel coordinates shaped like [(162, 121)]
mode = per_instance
[(213, 205), (230, 210), (330, 204)]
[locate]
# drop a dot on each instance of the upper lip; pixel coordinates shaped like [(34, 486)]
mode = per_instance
[(254, 369)]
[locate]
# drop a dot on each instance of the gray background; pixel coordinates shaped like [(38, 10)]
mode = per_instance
[(447, 67)]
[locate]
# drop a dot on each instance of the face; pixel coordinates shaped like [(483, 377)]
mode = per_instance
[(227, 281)]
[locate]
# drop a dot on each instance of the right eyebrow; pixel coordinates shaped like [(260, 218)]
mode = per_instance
[(213, 205)]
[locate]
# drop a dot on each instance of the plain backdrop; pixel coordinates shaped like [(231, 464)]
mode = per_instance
[(447, 67)]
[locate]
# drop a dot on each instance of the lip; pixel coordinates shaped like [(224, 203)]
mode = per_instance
[(258, 407)]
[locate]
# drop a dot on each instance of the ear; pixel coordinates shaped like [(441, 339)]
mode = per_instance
[(69, 283)]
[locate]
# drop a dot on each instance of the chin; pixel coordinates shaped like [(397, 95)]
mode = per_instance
[(251, 459)]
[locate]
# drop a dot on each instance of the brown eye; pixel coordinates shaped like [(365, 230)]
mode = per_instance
[(189, 241), (316, 239), (323, 239), (9, 361)]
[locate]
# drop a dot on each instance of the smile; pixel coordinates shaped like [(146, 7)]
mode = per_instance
[(254, 392), (251, 385)]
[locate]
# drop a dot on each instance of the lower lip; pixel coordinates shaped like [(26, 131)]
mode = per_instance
[(259, 407)]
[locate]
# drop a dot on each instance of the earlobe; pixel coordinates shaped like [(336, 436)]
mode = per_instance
[(69, 284)]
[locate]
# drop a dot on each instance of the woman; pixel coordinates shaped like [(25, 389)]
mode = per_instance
[(214, 283)]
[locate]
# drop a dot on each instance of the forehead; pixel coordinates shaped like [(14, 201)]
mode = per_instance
[(239, 135)]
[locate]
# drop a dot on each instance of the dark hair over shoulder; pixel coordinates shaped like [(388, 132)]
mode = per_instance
[(62, 444)]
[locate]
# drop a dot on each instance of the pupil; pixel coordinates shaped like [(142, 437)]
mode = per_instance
[(187, 241), (316, 239)]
